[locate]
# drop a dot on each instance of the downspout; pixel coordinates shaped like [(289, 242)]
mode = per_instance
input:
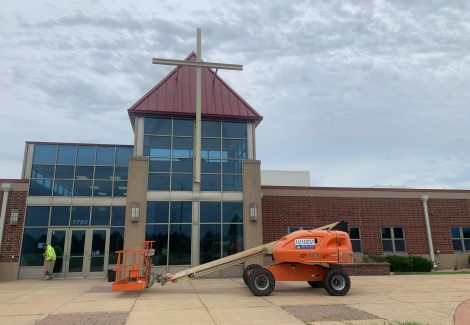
[(6, 190), (424, 199)]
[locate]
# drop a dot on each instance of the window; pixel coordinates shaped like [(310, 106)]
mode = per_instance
[(170, 225), (79, 170), (169, 145), (223, 149), (32, 248), (221, 229), (295, 228), (460, 239), (393, 240), (355, 236)]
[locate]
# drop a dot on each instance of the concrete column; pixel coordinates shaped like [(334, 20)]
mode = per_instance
[(6, 191), (424, 200), (136, 193), (252, 229)]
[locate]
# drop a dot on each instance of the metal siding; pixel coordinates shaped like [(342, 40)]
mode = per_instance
[(175, 95)]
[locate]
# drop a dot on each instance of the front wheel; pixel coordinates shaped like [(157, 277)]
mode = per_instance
[(337, 282), (248, 270), (261, 282)]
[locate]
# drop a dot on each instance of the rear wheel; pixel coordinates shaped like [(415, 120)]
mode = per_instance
[(248, 269), (316, 284), (336, 282), (261, 282)]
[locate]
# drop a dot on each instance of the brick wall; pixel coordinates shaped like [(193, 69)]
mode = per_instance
[(369, 214), (11, 240)]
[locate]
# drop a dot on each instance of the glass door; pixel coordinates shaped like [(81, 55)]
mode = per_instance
[(76, 253), (57, 237), (97, 249)]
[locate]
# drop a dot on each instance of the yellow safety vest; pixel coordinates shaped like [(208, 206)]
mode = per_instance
[(50, 253)]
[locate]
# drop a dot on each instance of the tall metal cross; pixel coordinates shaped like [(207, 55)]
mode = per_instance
[(198, 64)]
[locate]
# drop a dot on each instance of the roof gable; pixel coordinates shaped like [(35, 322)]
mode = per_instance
[(174, 95)]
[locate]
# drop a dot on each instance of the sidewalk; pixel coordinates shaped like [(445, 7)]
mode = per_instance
[(427, 299)]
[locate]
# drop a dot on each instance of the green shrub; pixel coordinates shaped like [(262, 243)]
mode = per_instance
[(421, 264), (400, 263)]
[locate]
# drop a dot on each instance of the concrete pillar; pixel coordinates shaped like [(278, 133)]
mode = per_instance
[(136, 194), (252, 226)]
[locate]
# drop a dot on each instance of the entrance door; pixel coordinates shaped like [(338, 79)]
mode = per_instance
[(80, 252)]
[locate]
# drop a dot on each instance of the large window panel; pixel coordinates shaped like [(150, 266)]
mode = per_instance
[(159, 182), (104, 172), (63, 188), (100, 215), (83, 188), (32, 248), (180, 244), (64, 172), (181, 182), (66, 154), (84, 172), (159, 165), (210, 245), (80, 216), (158, 233), (103, 188), (86, 155), (231, 166), (232, 182), (210, 212), (116, 243), (232, 212), (183, 127), (37, 216), (42, 171), (182, 165), (120, 173), (157, 141), (211, 129), (233, 130), (157, 211), (118, 216), (210, 182), (105, 155), (160, 126), (122, 155), (210, 149), (157, 152), (233, 239), (120, 188), (210, 166), (60, 216), (234, 148), (181, 211), (45, 154), (183, 147), (40, 187)]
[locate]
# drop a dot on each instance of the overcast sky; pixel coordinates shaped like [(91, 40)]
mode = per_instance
[(360, 93)]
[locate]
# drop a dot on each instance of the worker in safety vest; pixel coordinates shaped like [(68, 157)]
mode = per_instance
[(49, 261)]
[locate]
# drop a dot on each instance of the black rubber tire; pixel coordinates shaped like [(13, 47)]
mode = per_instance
[(337, 282), (316, 284), (250, 268), (261, 282)]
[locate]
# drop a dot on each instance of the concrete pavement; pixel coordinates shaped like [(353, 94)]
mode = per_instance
[(426, 299)]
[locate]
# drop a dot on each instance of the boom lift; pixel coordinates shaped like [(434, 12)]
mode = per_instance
[(315, 256)]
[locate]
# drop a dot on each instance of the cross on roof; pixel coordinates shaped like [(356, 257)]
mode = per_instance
[(198, 64)]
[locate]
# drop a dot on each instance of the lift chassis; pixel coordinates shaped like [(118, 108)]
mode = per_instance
[(315, 256)]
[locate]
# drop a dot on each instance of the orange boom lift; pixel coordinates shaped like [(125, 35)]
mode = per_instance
[(315, 256)]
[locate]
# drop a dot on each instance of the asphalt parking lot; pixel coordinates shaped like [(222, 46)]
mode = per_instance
[(425, 299)]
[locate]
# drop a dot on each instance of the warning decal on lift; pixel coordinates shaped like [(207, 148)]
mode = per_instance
[(305, 243)]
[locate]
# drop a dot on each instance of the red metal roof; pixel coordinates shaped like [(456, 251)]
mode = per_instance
[(175, 96)]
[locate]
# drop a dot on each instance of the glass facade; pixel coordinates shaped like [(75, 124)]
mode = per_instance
[(79, 170), (169, 145), (169, 224), (39, 218), (460, 239), (221, 230)]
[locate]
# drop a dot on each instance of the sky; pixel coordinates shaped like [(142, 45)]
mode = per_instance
[(359, 93)]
